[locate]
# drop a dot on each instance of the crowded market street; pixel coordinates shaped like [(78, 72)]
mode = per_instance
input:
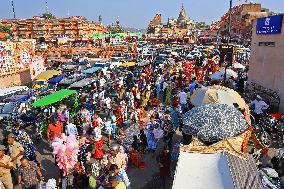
[(180, 105)]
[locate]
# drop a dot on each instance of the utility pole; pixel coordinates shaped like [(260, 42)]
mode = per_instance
[(13, 7), (100, 19), (230, 21), (229, 36), (46, 7)]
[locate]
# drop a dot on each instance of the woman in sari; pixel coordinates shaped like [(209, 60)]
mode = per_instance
[(174, 117), (98, 139), (151, 140), (168, 100), (145, 98)]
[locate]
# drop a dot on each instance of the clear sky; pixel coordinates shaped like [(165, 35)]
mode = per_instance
[(131, 13)]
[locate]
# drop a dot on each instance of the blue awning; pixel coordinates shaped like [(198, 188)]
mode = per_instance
[(57, 79), (91, 70), (18, 98)]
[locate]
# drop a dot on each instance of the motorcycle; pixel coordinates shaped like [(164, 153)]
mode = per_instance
[(27, 119), (270, 131), (40, 126)]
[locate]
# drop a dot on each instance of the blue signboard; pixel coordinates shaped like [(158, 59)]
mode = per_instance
[(269, 25)]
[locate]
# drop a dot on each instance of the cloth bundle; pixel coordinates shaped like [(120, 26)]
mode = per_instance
[(214, 122)]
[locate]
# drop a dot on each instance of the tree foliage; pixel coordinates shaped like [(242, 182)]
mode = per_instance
[(5, 29), (48, 15), (115, 29), (202, 25)]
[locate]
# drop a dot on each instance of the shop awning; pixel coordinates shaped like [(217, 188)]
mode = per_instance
[(47, 75), (18, 98), (91, 70), (12, 90), (82, 83), (128, 64), (57, 79), (54, 97)]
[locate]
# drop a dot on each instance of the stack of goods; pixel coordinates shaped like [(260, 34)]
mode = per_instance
[(215, 128)]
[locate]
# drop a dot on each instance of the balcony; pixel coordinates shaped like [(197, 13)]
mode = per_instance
[(55, 28), (23, 29), (39, 29)]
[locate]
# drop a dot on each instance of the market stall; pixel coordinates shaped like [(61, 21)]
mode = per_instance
[(221, 74), (53, 98), (217, 95), (128, 64), (67, 81), (92, 70), (18, 98), (82, 84), (41, 80), (57, 79), (11, 90), (46, 75), (214, 122)]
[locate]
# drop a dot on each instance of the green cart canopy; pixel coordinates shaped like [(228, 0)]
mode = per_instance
[(54, 97)]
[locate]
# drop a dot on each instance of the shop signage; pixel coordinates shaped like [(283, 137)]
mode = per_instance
[(226, 54), (269, 25)]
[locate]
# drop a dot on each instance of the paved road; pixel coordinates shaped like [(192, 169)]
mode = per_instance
[(147, 178)]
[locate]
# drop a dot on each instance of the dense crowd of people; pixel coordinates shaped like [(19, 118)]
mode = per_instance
[(125, 114)]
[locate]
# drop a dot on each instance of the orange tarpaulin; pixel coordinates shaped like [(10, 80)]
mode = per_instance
[(3, 35), (232, 145)]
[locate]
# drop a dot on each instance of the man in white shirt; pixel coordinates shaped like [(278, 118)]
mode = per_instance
[(71, 129), (85, 114), (182, 100), (101, 95), (98, 119), (120, 83), (108, 102), (165, 84), (102, 82), (95, 95), (258, 107)]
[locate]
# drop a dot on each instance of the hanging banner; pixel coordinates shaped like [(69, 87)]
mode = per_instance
[(15, 56), (36, 66)]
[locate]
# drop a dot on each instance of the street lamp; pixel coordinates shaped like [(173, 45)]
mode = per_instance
[(13, 7)]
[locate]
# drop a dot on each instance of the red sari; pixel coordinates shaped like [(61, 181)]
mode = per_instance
[(118, 115), (99, 149)]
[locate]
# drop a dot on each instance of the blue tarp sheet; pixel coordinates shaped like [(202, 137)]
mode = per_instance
[(91, 70), (18, 98), (57, 79)]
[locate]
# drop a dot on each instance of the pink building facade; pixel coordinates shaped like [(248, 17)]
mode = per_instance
[(267, 61)]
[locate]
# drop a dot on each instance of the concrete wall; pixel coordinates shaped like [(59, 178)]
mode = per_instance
[(22, 78), (267, 63), (251, 7)]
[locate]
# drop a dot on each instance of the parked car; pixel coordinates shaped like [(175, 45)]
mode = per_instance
[(7, 109)]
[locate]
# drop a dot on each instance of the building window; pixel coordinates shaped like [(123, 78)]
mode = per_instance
[(266, 44)]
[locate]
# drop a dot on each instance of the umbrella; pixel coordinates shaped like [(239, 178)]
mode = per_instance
[(214, 122), (238, 65), (220, 75), (216, 95)]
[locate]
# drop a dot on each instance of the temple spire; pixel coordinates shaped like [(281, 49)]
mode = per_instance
[(182, 18)]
